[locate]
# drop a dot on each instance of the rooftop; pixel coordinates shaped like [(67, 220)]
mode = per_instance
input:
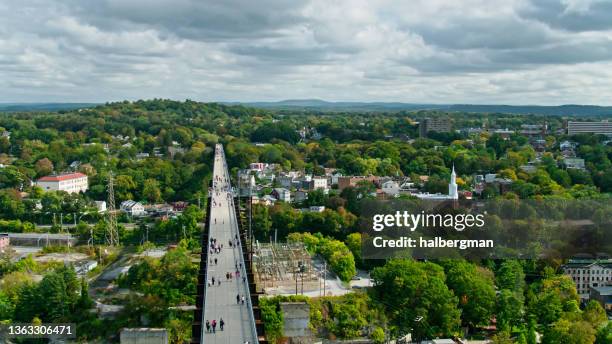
[(574, 263), (62, 177), (607, 290)]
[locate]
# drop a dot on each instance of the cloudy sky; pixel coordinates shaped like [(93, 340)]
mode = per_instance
[(427, 51)]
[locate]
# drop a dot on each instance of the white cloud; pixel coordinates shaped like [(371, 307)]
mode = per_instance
[(469, 51)]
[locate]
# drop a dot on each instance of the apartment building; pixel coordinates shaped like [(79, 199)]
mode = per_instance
[(440, 125), (589, 273)]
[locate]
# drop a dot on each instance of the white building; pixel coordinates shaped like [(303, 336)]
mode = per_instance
[(68, 182), (132, 208), (282, 194), (390, 187), (334, 177), (575, 163), (318, 183), (567, 145), (101, 206), (589, 273), (490, 177)]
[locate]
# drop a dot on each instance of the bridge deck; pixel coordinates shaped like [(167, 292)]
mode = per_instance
[(220, 300)]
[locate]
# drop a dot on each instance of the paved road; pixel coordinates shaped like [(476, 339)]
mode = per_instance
[(221, 299)]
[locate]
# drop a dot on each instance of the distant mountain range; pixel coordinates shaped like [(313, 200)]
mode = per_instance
[(8, 107), (325, 106), (321, 105)]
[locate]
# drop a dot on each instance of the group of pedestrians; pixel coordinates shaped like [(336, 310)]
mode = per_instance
[(215, 247), (211, 326), (214, 281), (234, 242), (220, 185)]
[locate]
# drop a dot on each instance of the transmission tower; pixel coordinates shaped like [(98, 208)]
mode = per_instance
[(112, 236)]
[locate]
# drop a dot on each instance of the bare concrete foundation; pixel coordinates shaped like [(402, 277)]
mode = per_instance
[(144, 336)]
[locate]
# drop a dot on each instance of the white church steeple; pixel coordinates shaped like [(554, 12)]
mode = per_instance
[(452, 186)]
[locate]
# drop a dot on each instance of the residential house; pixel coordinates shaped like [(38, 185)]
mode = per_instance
[(300, 196), (101, 206), (317, 183), (282, 194), (132, 208), (575, 163), (567, 145), (285, 181)]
